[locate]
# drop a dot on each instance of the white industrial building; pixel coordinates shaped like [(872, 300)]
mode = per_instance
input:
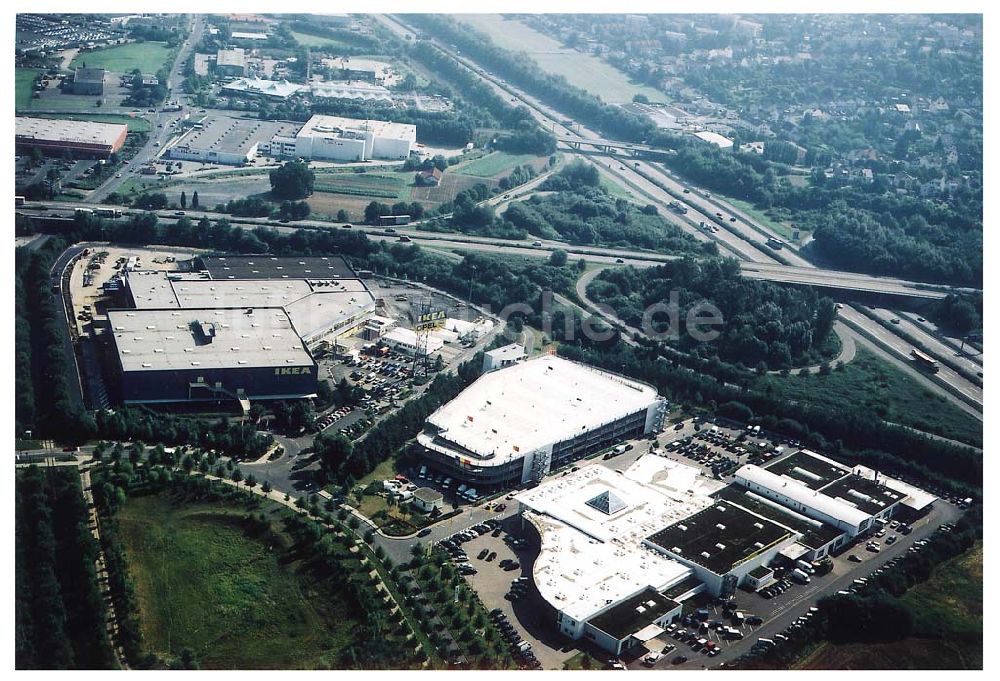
[(852, 500), (515, 424), (594, 568), (499, 358), (332, 138)]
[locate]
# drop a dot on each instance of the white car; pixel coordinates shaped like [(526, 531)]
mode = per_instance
[(651, 659)]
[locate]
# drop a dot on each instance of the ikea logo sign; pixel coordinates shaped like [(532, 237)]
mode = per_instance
[(292, 371)]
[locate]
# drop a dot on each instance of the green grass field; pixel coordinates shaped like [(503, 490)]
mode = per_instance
[(371, 185), (309, 40), (236, 601), (869, 383), (23, 79), (583, 70), (136, 124), (491, 165), (782, 228), (148, 57)]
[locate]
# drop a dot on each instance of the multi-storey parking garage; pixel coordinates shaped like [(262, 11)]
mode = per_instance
[(515, 424)]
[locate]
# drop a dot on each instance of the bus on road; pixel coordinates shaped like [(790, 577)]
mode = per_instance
[(925, 362)]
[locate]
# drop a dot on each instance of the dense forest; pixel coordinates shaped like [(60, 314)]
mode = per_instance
[(763, 324), (59, 614)]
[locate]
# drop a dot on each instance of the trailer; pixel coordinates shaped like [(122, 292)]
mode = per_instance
[(924, 361)]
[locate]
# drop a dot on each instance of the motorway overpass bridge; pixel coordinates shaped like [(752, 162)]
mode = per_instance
[(610, 146)]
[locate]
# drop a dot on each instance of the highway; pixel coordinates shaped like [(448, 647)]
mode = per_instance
[(743, 238), (834, 279), (162, 121)]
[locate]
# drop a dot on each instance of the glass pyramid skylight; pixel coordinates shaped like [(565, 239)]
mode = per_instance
[(607, 502)]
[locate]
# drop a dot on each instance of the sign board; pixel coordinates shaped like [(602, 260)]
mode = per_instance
[(431, 320)]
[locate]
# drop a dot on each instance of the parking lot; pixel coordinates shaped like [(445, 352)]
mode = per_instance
[(528, 616)]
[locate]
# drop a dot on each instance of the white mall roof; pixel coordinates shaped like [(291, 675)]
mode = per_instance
[(590, 559), (528, 406), (798, 492), (327, 125)]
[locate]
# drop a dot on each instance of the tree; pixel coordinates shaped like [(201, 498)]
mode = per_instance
[(343, 216), (194, 201), (237, 475), (558, 258), (251, 481), (292, 181), (184, 199)]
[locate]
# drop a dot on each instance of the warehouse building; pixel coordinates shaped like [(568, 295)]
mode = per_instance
[(820, 488), (513, 425), (54, 137), (242, 327), (231, 62), (320, 310), (88, 81), (227, 141), (331, 138), (181, 355), (594, 569)]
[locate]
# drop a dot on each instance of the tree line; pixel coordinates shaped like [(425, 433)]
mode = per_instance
[(59, 614), (45, 401), (524, 72)]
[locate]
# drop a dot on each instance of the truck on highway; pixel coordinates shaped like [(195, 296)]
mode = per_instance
[(18, 201), (775, 243), (924, 361), (678, 208), (109, 212)]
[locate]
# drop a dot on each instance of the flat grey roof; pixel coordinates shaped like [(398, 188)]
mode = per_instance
[(89, 75), (172, 340), (276, 267), (234, 135), (311, 305)]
